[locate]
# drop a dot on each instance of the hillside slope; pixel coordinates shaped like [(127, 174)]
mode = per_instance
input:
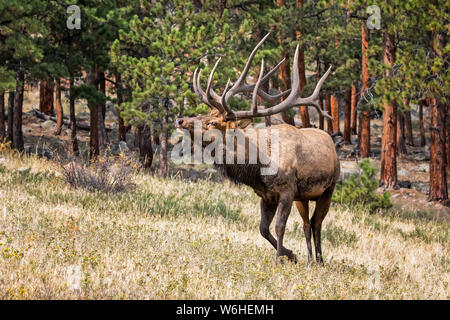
[(176, 239)]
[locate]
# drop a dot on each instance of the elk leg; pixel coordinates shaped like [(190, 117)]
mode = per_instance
[(284, 209), (322, 207), (303, 209), (267, 213)]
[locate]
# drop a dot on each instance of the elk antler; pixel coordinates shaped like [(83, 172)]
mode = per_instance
[(293, 99)]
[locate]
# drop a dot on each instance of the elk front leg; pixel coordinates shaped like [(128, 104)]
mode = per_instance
[(268, 210), (303, 209), (322, 207), (284, 209)]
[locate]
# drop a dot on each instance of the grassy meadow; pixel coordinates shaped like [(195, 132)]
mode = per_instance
[(178, 239)]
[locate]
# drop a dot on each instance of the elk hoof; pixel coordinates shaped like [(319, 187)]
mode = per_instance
[(293, 258), (319, 259), (279, 260)]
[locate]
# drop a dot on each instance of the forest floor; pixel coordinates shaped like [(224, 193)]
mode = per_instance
[(179, 239), (413, 168)]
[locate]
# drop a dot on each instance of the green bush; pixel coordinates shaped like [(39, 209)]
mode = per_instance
[(361, 190)]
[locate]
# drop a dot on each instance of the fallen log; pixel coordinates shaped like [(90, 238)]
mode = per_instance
[(41, 115)]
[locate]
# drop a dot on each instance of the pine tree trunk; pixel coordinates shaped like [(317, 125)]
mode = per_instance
[(122, 128), (222, 6), (18, 105), (144, 134), (285, 73), (364, 137), (365, 134), (328, 105), (163, 143), (102, 135), (438, 172), (347, 115), (304, 115), (73, 121), (59, 109), (94, 148), (438, 152), (408, 129), (401, 145), (388, 174), (321, 118), (163, 153), (353, 111), (421, 126), (447, 137), (359, 130), (46, 97), (9, 132), (335, 113), (2, 117), (286, 79)]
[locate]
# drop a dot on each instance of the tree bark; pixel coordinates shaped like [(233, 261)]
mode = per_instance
[(421, 126), (18, 105), (144, 134), (73, 121), (364, 137), (304, 115), (163, 153), (408, 125), (447, 137), (347, 114), (285, 73), (388, 175), (328, 105), (353, 110), (163, 166), (122, 129), (335, 113), (9, 132), (59, 109), (222, 6), (321, 118), (401, 144), (46, 97), (2, 117), (94, 147), (102, 135), (438, 172), (438, 152)]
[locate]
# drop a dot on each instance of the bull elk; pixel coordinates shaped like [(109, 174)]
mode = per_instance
[(308, 166)]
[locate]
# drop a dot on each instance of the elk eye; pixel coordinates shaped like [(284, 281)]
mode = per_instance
[(213, 123)]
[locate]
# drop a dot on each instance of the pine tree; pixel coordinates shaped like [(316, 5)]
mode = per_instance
[(21, 31), (168, 43)]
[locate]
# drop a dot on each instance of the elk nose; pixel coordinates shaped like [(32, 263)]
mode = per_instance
[(180, 121)]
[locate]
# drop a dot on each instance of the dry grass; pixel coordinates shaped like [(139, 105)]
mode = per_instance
[(175, 239), (108, 174)]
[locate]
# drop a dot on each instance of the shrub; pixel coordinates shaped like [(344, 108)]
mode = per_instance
[(361, 190), (106, 175)]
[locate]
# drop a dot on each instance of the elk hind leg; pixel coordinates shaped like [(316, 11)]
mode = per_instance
[(303, 209), (284, 209), (321, 210)]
